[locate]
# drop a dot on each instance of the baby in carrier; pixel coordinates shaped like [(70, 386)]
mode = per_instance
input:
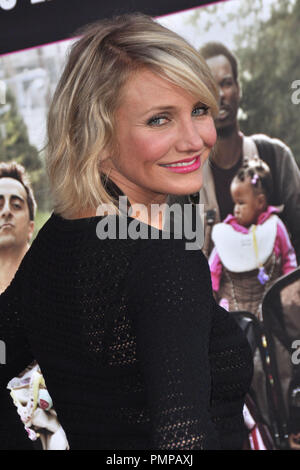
[(252, 246)]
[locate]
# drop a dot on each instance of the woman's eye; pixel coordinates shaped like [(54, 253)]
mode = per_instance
[(157, 121), (200, 110)]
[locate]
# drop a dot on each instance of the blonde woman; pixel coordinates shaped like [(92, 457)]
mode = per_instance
[(134, 351)]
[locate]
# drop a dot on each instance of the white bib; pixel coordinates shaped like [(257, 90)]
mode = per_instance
[(236, 250)]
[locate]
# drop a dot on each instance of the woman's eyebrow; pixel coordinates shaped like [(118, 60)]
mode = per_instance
[(160, 108), (157, 109)]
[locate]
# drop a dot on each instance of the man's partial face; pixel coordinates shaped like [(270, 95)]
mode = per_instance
[(15, 226), (226, 121)]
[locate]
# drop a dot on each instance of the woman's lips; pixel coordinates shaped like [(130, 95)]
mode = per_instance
[(185, 166)]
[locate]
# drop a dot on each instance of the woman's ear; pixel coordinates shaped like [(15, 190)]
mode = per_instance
[(105, 161), (105, 155)]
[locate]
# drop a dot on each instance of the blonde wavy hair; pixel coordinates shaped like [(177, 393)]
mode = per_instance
[(81, 118)]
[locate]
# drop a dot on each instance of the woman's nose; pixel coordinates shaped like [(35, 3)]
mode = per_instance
[(190, 138)]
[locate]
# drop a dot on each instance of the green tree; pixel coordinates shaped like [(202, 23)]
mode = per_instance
[(14, 142), (269, 66), (15, 146)]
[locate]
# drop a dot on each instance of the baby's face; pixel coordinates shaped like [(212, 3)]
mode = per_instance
[(247, 204)]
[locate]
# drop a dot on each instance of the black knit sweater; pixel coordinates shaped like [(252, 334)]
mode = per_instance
[(133, 348)]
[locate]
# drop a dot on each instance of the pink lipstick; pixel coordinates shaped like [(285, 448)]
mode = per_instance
[(184, 166)]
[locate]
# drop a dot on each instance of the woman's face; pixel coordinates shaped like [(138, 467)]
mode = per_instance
[(164, 136)]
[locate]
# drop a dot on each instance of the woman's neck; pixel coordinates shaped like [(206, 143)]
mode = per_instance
[(146, 206)]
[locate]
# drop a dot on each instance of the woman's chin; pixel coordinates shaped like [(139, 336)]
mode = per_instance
[(188, 188)]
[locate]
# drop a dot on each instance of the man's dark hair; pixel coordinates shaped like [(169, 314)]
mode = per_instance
[(16, 171), (213, 49)]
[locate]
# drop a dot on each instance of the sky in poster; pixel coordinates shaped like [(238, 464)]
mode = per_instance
[(181, 22)]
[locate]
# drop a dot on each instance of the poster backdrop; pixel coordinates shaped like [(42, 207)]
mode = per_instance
[(27, 23), (35, 36)]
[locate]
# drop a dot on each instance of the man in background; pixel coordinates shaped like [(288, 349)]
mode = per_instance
[(17, 211), (231, 148)]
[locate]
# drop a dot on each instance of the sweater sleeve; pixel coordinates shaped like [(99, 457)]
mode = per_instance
[(173, 306), (215, 266), (287, 252), (16, 355)]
